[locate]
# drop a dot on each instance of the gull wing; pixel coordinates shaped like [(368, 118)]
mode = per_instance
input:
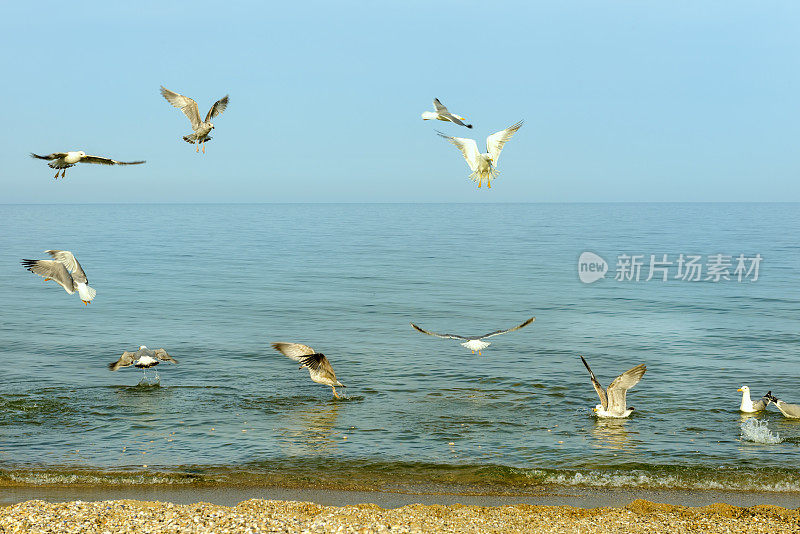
[(444, 336), (54, 155), (125, 360), (597, 387), (787, 409), (108, 161), (66, 257), (468, 147), (498, 332), (319, 367), (218, 107), (295, 351), (52, 269), (185, 104), (620, 386), (438, 106), (162, 355), (495, 142)]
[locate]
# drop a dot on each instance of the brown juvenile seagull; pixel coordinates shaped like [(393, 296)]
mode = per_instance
[(189, 108), (65, 160), (474, 343), (317, 364)]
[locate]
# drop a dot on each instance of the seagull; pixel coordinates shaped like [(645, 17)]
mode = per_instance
[(189, 108), (792, 411), (143, 359), (748, 406), (483, 166), (319, 368), (442, 114), (59, 269), (612, 401), (65, 160), (474, 343)]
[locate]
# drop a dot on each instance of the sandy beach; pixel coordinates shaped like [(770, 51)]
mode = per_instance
[(291, 516)]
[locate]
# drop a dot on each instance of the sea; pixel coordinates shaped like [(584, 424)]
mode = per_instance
[(706, 295)]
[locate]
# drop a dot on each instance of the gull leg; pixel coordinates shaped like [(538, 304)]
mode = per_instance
[(480, 179), (56, 176), (198, 146), (479, 353), (204, 146), (64, 174), (488, 182), (473, 352), (334, 392)]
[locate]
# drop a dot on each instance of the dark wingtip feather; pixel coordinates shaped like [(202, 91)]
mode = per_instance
[(112, 366), (468, 126), (28, 264)]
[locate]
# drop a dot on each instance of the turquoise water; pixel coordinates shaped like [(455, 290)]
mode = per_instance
[(215, 284)]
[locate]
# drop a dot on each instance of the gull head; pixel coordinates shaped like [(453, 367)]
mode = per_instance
[(142, 347), (81, 153), (744, 389), (211, 124)]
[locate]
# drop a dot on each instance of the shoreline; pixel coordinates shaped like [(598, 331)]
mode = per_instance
[(256, 515)]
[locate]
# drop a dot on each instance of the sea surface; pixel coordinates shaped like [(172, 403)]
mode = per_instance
[(216, 284)]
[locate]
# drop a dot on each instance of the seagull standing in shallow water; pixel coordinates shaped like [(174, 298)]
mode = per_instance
[(61, 161), (189, 107), (748, 406), (319, 368), (143, 359), (613, 401), (442, 114), (474, 343), (64, 270), (483, 166)]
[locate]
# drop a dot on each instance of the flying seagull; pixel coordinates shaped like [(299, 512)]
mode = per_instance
[(474, 343), (483, 166), (612, 401), (65, 160), (748, 406), (65, 270), (189, 108), (319, 368), (791, 411), (143, 359), (442, 114)]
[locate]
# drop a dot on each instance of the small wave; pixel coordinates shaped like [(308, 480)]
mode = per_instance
[(758, 432)]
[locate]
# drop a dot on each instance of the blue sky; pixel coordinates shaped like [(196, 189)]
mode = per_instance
[(623, 100)]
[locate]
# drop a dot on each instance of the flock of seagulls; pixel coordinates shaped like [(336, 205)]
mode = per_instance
[(792, 411)]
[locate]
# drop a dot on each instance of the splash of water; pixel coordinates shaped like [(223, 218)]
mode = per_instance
[(758, 432)]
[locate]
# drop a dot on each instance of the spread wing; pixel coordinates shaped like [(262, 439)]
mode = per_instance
[(597, 387), (498, 332), (295, 351), (125, 360), (495, 142), (54, 155), (185, 104), (438, 106), (69, 261), (54, 270), (108, 161), (468, 147), (162, 355), (620, 386), (218, 107), (445, 336)]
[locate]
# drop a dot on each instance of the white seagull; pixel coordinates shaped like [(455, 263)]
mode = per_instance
[(613, 402), (792, 411), (319, 368), (189, 108), (474, 343), (442, 114), (748, 406), (483, 166), (143, 359), (65, 160), (65, 270)]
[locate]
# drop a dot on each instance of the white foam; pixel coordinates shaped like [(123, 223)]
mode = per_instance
[(758, 432)]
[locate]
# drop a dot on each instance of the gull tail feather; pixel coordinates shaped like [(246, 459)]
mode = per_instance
[(86, 293)]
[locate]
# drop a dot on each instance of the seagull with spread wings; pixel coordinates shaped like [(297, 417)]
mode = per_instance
[(189, 108), (319, 368), (613, 400), (792, 411), (442, 114), (483, 166), (61, 161), (64, 270), (143, 359), (474, 343)]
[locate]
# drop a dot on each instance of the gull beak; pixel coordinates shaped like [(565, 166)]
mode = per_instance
[(594, 409), (740, 389)]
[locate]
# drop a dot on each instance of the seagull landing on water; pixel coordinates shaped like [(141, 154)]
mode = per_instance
[(613, 401), (474, 343), (792, 411), (189, 108), (61, 161), (483, 166), (442, 114), (143, 359), (319, 368), (64, 270), (748, 406)]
